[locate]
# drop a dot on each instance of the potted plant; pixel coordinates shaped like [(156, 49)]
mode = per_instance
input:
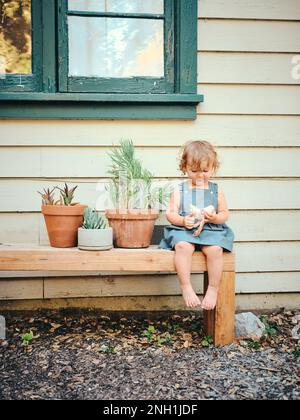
[(94, 234), (62, 216), (134, 198)]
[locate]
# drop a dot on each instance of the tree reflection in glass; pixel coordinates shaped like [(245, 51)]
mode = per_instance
[(15, 37), (115, 47)]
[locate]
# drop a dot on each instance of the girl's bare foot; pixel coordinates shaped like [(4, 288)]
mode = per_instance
[(190, 297), (210, 298)]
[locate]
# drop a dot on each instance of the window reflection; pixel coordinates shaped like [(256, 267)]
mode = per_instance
[(121, 6), (15, 37), (112, 47)]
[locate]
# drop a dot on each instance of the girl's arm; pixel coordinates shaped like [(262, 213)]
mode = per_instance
[(223, 212), (173, 208)]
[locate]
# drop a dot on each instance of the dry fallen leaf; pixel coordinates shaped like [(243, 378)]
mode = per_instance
[(187, 336), (55, 327), (230, 355)]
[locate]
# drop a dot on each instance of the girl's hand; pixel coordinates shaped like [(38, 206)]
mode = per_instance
[(210, 217), (189, 221)]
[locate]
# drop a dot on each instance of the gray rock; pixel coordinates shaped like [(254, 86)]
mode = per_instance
[(296, 319), (248, 325), (296, 332)]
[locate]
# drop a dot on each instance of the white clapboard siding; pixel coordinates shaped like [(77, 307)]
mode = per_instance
[(259, 225), (247, 226), (257, 36), (15, 160), (265, 225), (267, 256), (266, 301), (267, 282), (223, 130), (21, 195), (249, 9), (20, 227), (135, 285), (247, 99), (237, 68), (93, 162), (252, 225)]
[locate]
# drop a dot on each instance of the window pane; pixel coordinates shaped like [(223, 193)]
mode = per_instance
[(111, 47), (15, 37), (120, 6)]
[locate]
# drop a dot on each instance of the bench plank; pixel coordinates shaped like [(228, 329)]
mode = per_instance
[(21, 289), (148, 260)]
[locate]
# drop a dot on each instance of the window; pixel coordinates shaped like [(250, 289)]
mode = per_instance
[(98, 59), (116, 46)]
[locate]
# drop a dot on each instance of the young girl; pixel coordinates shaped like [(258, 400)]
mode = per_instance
[(199, 160)]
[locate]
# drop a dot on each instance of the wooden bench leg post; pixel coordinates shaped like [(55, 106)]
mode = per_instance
[(219, 323)]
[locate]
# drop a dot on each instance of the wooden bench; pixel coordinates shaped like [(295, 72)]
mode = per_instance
[(218, 323)]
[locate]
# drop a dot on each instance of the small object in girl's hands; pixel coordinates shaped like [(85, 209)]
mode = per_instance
[(198, 213)]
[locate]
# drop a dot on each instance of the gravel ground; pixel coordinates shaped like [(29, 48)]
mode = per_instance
[(76, 355)]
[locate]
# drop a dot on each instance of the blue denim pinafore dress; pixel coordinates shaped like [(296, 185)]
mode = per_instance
[(211, 234)]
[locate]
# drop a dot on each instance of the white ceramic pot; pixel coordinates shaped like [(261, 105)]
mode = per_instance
[(95, 239)]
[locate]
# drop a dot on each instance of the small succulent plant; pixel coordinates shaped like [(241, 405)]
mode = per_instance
[(67, 195), (91, 220), (47, 196), (65, 199)]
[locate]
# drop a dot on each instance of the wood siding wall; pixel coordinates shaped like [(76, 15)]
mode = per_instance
[(251, 112)]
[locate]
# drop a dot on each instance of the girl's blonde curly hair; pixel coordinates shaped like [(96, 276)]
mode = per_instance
[(195, 153)]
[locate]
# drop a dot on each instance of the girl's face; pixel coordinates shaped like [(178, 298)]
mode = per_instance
[(200, 175)]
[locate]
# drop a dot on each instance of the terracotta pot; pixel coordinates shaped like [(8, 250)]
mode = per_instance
[(62, 224), (132, 228)]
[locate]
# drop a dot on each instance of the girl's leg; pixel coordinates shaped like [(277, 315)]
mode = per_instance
[(183, 263), (214, 259)]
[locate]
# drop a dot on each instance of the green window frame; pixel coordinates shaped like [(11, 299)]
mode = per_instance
[(55, 95)]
